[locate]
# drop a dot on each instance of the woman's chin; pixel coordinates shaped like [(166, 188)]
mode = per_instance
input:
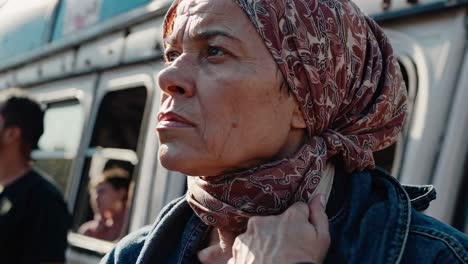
[(185, 165), (171, 159), (178, 162), (189, 162), (171, 164)]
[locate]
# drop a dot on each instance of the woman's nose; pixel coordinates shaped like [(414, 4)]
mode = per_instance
[(177, 78)]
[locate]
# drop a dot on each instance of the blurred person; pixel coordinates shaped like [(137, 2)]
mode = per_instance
[(34, 219), (273, 109), (108, 199)]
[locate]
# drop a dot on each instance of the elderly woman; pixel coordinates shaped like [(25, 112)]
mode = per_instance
[(270, 105)]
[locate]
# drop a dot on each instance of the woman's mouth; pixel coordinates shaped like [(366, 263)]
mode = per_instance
[(172, 120)]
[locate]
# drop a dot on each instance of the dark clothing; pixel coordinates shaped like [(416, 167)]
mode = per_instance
[(377, 222), (34, 221)]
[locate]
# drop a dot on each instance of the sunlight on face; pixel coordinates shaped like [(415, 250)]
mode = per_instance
[(106, 198), (222, 106)]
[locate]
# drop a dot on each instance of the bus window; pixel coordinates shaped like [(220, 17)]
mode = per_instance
[(119, 119), (104, 196), (110, 190), (390, 158), (63, 123)]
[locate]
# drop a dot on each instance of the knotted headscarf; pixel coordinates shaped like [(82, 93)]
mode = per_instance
[(341, 69)]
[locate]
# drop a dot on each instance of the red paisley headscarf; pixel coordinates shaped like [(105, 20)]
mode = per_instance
[(341, 68)]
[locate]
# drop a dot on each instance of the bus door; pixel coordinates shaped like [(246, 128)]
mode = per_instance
[(122, 121)]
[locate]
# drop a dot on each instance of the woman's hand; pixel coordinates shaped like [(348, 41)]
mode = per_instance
[(298, 235)]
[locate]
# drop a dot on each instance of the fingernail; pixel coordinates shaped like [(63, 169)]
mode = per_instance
[(323, 201)]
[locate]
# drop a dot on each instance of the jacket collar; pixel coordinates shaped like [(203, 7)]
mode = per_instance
[(420, 195), (373, 223)]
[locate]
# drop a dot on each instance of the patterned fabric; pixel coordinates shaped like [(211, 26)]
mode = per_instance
[(340, 67)]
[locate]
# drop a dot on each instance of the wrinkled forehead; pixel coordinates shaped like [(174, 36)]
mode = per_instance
[(202, 12), (194, 7)]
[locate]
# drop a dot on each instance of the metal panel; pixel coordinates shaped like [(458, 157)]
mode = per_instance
[(144, 41), (58, 65), (449, 171), (382, 10), (24, 26), (91, 12), (102, 53), (121, 22), (377, 7), (438, 43), (110, 9), (6, 80), (28, 74)]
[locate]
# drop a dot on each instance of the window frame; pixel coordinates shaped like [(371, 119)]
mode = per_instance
[(409, 51), (39, 154), (411, 70), (77, 88), (451, 166), (134, 76)]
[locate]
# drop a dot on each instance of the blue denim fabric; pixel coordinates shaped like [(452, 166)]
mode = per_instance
[(378, 223)]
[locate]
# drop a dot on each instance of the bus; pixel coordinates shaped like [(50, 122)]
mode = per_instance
[(93, 64)]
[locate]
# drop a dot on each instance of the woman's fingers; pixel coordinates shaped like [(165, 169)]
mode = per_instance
[(298, 210), (318, 218), (220, 252), (286, 238)]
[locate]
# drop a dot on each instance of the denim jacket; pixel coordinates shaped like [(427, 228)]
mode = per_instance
[(378, 222)]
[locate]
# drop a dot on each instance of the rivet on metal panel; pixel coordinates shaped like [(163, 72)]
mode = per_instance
[(386, 4), (87, 62), (110, 51), (39, 71), (127, 32), (157, 46)]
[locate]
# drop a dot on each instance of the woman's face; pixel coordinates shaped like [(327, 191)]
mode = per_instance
[(222, 106)]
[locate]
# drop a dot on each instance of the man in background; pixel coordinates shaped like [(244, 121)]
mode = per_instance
[(34, 219)]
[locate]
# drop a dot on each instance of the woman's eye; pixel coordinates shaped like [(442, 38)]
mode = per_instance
[(171, 56), (215, 51)]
